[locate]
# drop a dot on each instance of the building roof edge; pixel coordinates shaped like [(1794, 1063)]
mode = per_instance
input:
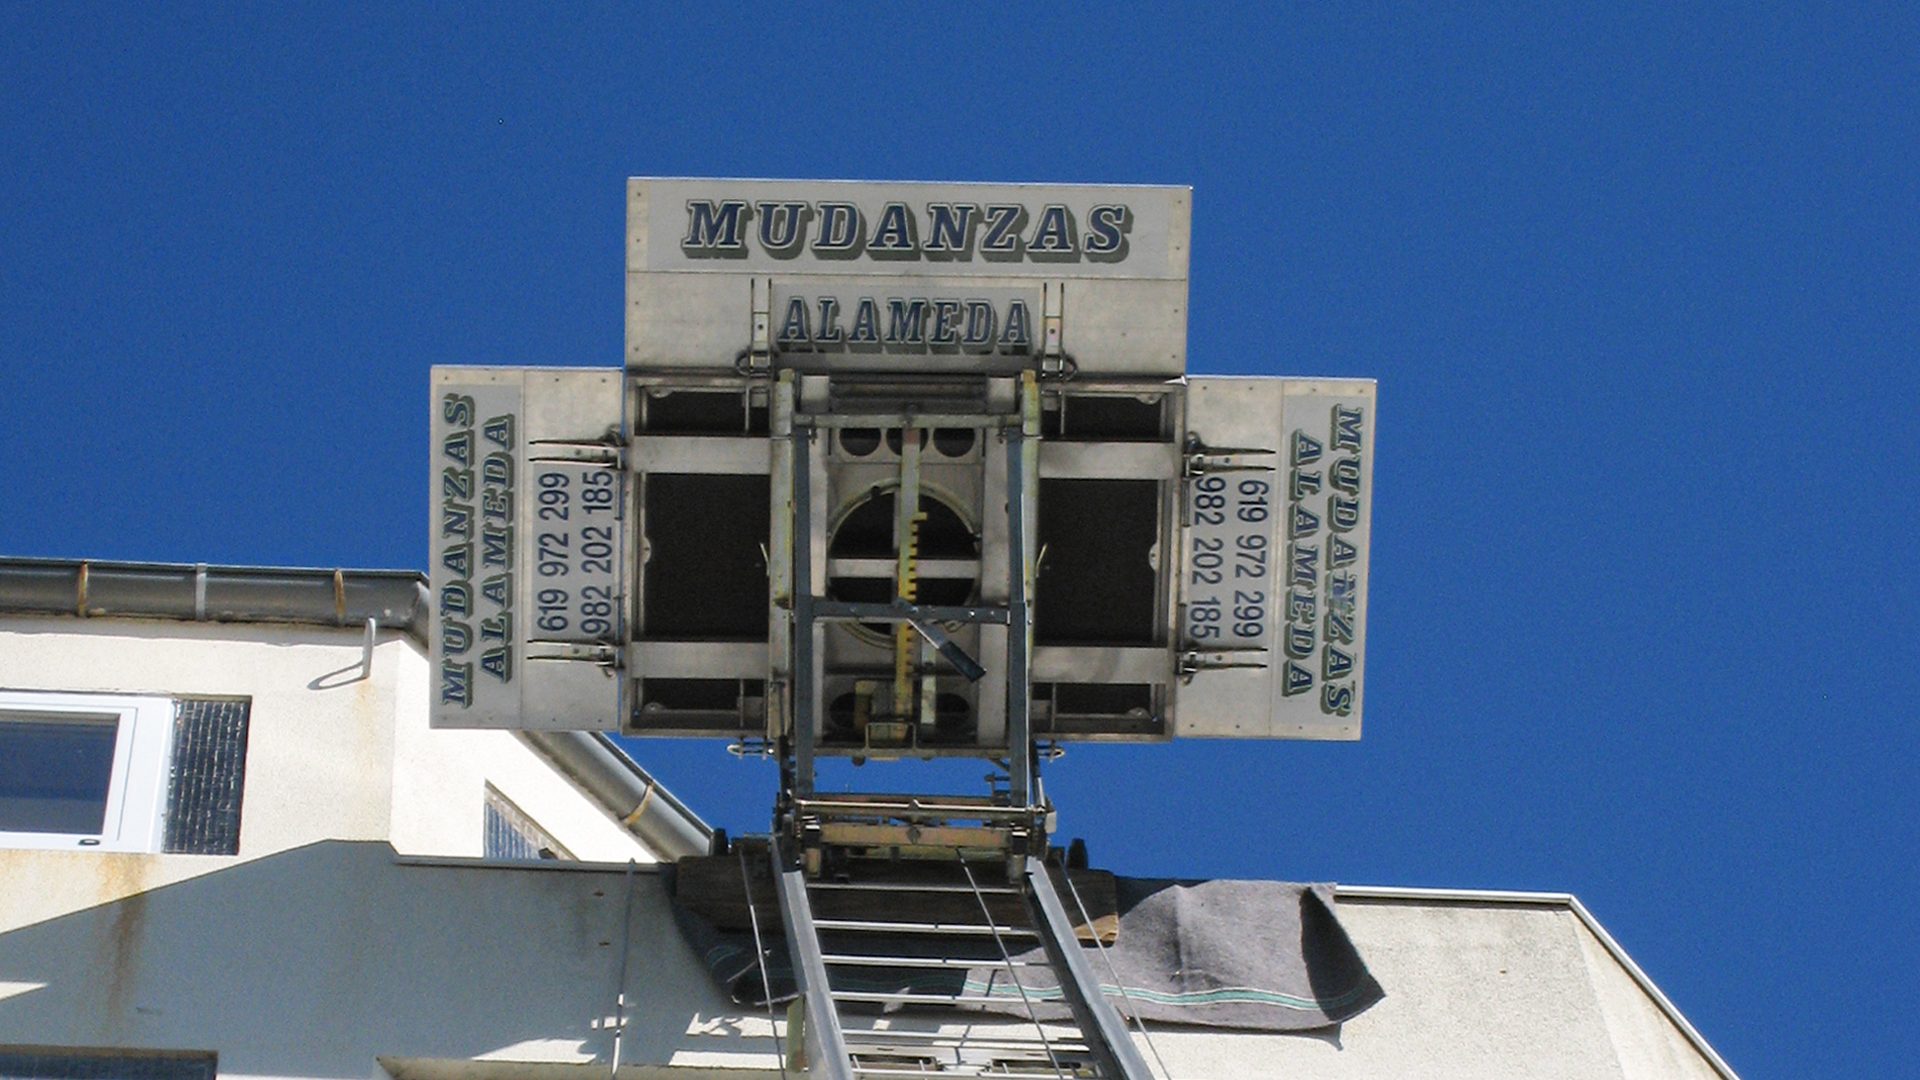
[(1560, 900)]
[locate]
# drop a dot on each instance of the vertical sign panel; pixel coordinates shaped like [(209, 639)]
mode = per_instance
[(476, 451), (1274, 584), (528, 548)]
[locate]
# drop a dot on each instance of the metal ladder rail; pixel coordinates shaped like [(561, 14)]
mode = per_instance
[(825, 1045), (1100, 1023)]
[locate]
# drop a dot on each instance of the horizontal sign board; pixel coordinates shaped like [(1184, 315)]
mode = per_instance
[(1274, 584), (939, 274), (527, 541)]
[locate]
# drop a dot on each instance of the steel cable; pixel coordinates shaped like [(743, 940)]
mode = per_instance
[(1012, 972), (760, 961), (1132, 1008)]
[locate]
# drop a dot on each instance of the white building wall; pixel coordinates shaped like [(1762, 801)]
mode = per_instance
[(319, 961), (331, 755), (318, 951), (439, 778)]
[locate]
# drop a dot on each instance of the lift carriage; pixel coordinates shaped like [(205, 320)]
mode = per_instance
[(905, 471)]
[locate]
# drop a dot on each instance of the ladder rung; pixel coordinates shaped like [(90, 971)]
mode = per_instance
[(907, 887), (886, 998), (858, 960), (1037, 1073), (936, 1040), (965, 929)]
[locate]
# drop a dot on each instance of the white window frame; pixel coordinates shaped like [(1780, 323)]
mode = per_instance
[(136, 813)]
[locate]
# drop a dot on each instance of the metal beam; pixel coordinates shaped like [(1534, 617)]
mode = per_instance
[(845, 611), (806, 675)]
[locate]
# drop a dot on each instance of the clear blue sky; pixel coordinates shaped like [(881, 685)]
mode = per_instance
[(1640, 291)]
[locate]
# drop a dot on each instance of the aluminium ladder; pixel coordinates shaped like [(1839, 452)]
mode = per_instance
[(852, 971)]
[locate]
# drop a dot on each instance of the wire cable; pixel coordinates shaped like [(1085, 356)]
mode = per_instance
[(1012, 972), (620, 990), (1133, 1009), (760, 961)]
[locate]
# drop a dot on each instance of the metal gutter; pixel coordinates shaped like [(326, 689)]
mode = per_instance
[(84, 588), (1580, 912), (597, 765), (570, 866)]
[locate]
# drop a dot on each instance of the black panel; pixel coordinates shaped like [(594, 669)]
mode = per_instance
[(953, 442), (1101, 416), (1097, 710), (705, 578), (859, 441), (1096, 585), (692, 695), (92, 1065), (1101, 699), (208, 776), (697, 412)]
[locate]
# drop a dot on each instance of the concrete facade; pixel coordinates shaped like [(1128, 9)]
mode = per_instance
[(358, 934)]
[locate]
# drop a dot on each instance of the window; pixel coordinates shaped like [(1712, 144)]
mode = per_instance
[(106, 772), (510, 834), (83, 770), (205, 777), (48, 1064)]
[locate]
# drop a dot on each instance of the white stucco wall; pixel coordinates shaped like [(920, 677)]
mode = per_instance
[(439, 776), (317, 962), (330, 755)]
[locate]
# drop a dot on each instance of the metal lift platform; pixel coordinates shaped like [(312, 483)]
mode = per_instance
[(922, 850)]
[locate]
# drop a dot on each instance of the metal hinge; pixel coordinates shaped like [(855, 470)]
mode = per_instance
[(1054, 362), (1193, 662), (757, 361), (606, 657), (1200, 459), (609, 448)]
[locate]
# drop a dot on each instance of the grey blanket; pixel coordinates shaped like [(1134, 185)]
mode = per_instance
[(1250, 955)]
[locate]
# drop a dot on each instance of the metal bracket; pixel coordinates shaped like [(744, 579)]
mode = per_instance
[(1198, 458), (1192, 663), (757, 361), (612, 455), (1054, 363), (608, 657), (950, 649)]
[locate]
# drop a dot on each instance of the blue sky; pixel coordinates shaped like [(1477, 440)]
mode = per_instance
[(1639, 288)]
